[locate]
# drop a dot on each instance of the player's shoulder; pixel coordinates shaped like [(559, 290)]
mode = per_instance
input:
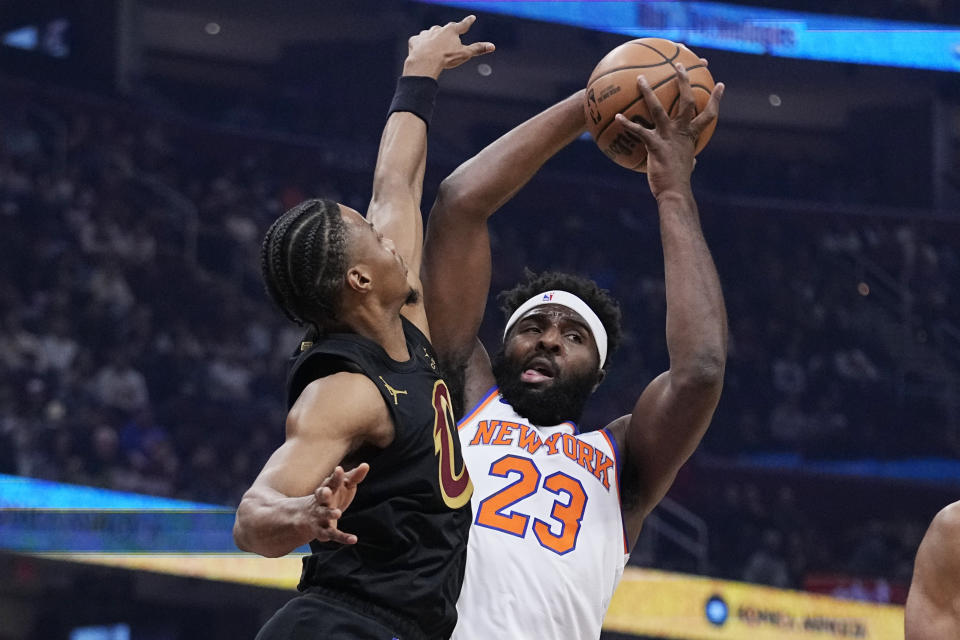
[(346, 400), (947, 522), (481, 405), (940, 548), (617, 430)]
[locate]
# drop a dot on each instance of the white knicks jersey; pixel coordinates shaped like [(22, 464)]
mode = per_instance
[(547, 546)]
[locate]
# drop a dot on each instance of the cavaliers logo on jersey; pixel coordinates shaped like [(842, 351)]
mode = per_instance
[(454, 485)]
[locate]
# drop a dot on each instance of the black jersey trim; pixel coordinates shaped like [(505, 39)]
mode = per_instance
[(371, 346), (412, 336), (415, 330)]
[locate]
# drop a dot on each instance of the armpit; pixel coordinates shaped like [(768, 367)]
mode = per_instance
[(455, 375)]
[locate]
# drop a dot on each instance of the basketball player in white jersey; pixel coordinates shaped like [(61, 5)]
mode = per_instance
[(933, 604), (558, 504)]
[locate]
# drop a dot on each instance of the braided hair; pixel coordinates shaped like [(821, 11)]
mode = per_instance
[(303, 260)]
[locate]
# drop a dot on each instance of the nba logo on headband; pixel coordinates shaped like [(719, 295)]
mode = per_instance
[(570, 301)]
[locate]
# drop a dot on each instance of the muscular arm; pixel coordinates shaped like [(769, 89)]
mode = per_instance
[(398, 183), (401, 161), (933, 604), (673, 412), (456, 262), (333, 416)]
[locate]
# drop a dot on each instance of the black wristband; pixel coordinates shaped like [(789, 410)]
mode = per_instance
[(416, 94)]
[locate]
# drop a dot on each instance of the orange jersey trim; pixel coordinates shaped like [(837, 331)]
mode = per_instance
[(487, 399)]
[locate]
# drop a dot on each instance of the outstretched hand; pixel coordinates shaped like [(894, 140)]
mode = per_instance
[(329, 501), (672, 141), (438, 48)]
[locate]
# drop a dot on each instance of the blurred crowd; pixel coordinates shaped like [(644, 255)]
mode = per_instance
[(138, 351), (775, 530)]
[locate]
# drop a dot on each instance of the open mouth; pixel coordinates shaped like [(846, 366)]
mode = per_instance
[(538, 370)]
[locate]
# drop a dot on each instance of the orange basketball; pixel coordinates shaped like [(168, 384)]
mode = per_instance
[(612, 89)]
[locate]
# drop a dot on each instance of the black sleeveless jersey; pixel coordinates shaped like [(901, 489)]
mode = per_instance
[(412, 513)]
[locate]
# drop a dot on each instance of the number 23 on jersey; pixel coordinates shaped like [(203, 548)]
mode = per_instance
[(496, 511)]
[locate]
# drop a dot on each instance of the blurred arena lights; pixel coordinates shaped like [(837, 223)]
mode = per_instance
[(760, 31)]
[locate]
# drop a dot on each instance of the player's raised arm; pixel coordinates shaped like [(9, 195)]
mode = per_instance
[(398, 177), (301, 491), (456, 264), (674, 411)]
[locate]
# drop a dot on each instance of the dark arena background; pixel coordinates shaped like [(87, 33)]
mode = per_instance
[(146, 145)]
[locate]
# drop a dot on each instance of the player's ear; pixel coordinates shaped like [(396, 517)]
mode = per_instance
[(359, 279)]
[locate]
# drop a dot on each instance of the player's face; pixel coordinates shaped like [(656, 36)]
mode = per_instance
[(549, 365), (378, 253)]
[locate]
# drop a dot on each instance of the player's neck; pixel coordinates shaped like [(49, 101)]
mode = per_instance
[(383, 327)]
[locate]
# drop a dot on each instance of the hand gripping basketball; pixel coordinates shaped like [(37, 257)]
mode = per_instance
[(438, 48), (330, 500), (671, 143), (612, 89)]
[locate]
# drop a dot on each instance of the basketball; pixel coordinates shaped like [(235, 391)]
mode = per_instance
[(612, 89)]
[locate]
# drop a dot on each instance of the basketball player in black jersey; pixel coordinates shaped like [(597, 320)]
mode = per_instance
[(365, 386)]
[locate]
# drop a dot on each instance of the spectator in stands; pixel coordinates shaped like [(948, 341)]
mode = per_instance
[(766, 565), (118, 385)]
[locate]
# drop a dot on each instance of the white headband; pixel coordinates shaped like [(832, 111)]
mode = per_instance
[(565, 299)]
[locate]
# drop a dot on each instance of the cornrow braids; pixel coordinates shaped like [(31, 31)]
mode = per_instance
[(303, 261), (271, 259), (606, 308)]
